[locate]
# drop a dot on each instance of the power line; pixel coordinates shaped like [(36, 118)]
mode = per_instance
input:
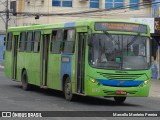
[(7, 15), (79, 12), (86, 13), (2, 3)]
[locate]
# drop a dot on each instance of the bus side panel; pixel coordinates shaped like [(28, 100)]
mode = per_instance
[(35, 69), (29, 58), (66, 66), (54, 63), (20, 64), (31, 65), (73, 73), (8, 64), (86, 69)]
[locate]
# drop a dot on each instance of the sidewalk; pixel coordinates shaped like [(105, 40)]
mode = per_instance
[(1, 65), (155, 88)]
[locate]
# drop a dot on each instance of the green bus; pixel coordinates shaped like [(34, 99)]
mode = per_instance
[(106, 58)]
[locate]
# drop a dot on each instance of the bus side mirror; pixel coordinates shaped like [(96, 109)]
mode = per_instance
[(90, 40)]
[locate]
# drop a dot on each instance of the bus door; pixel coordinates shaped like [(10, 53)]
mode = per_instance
[(44, 59), (14, 56), (81, 62)]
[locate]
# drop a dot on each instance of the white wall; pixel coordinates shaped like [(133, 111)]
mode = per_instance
[(2, 16), (12, 20), (46, 7)]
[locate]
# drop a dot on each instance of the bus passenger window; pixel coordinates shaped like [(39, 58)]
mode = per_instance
[(69, 41), (29, 41), (37, 36), (9, 42), (22, 41), (56, 41)]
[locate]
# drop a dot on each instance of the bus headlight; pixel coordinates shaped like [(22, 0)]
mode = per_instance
[(145, 82), (93, 80)]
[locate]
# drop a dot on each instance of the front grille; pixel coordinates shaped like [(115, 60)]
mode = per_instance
[(119, 76)]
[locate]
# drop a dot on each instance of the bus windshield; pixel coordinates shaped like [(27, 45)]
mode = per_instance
[(115, 51)]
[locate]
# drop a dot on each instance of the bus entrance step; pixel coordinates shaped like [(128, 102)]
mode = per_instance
[(44, 87)]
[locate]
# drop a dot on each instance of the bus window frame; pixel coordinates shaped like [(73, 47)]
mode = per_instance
[(60, 49), (20, 42), (30, 41), (36, 41), (70, 28), (9, 48)]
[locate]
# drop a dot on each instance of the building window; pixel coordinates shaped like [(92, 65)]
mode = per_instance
[(118, 4), (62, 3), (134, 4), (94, 3), (13, 7)]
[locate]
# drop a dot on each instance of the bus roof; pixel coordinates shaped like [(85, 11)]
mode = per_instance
[(85, 22)]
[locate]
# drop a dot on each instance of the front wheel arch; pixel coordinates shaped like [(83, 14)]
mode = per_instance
[(24, 80)]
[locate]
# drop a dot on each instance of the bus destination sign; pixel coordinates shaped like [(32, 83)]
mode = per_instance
[(125, 27)]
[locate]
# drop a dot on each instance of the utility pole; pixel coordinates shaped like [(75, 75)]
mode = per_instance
[(7, 15)]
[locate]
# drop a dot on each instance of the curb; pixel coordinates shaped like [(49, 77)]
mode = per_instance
[(2, 67)]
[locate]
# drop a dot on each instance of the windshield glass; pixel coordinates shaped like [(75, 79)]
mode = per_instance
[(111, 51)]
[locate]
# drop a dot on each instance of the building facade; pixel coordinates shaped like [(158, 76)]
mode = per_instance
[(156, 40), (2, 16), (2, 29), (110, 9), (12, 21)]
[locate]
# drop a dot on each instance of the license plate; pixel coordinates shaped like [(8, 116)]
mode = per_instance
[(121, 92)]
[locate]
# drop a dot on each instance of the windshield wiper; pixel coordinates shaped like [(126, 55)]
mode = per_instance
[(110, 37), (133, 40)]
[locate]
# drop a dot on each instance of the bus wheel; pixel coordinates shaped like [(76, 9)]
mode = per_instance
[(24, 79), (119, 99), (68, 89)]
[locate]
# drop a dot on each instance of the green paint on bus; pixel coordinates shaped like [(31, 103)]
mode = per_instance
[(89, 57)]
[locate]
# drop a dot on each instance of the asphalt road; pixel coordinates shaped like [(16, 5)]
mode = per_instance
[(13, 98)]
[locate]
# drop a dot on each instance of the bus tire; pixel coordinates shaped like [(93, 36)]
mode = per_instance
[(119, 99), (68, 89), (24, 79)]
